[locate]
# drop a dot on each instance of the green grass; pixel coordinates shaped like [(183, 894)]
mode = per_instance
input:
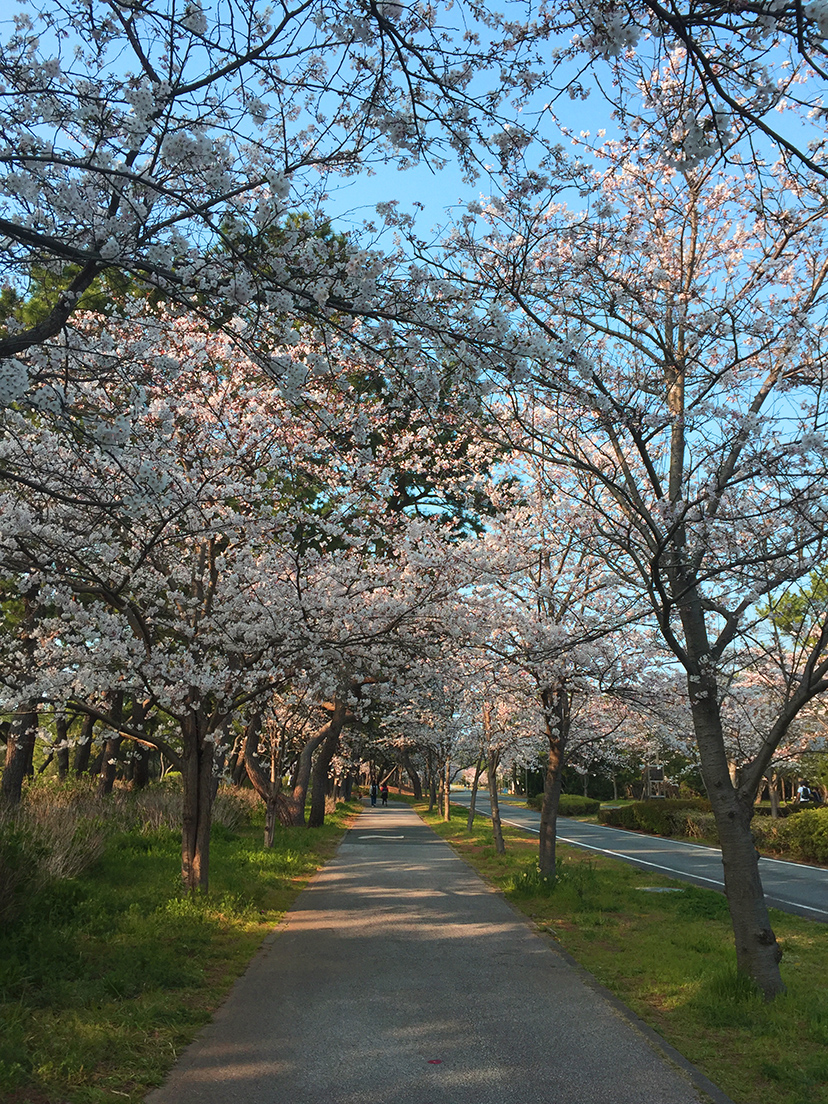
[(669, 956), (106, 976)]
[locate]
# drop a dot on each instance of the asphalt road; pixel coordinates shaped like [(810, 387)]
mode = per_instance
[(792, 887), (399, 977)]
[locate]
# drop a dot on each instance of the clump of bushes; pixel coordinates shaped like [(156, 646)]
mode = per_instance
[(798, 836), (570, 804), (669, 816)]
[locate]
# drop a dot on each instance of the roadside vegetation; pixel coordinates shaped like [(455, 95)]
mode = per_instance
[(107, 967), (799, 834), (666, 950)]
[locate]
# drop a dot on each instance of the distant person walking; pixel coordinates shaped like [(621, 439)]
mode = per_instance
[(384, 794), (373, 793)]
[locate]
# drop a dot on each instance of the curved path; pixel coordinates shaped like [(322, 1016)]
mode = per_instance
[(399, 977), (790, 886)]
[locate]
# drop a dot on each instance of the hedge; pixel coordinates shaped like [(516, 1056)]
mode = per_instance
[(569, 804), (671, 816), (799, 836)]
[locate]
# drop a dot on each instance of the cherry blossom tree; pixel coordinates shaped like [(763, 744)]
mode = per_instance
[(744, 69), (674, 368), (171, 144), (187, 537), (552, 611)]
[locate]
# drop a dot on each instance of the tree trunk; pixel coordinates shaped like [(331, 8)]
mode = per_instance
[(109, 766), (478, 770), (292, 809), (62, 726), (140, 767), (447, 790), (20, 745), (556, 711), (497, 830), (416, 783), (83, 751), (773, 794), (326, 752), (197, 776), (139, 755), (267, 785), (757, 953)]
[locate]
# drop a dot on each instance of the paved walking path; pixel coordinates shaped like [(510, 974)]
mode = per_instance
[(400, 978)]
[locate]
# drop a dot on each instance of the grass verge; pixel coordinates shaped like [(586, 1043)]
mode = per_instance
[(665, 949), (106, 976)]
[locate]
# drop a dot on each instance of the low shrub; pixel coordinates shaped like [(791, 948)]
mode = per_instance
[(569, 805), (801, 835), (664, 817), (576, 805)]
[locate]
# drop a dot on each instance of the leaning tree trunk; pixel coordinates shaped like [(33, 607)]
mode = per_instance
[(267, 784), (197, 776), (757, 953), (20, 745), (292, 810), (556, 710), (322, 763)]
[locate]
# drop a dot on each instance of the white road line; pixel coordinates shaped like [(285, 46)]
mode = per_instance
[(642, 862), (794, 904), (621, 855), (682, 874)]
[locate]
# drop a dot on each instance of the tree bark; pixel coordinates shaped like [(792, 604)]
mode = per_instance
[(83, 751), (268, 785), (324, 756), (431, 780), (292, 810), (20, 745), (62, 725), (478, 770), (497, 830), (447, 789), (757, 952), (416, 782), (556, 711), (773, 794), (197, 776), (112, 745)]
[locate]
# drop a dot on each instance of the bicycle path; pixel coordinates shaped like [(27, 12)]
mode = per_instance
[(399, 977)]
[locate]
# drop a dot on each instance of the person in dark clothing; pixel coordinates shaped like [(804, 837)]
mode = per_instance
[(373, 793), (384, 794)]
